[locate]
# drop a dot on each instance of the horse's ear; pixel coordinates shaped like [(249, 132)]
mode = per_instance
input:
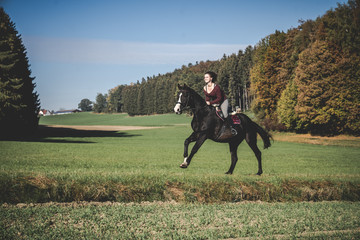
[(179, 86), (185, 86)]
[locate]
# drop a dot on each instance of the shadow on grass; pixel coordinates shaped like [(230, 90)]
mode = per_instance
[(50, 134)]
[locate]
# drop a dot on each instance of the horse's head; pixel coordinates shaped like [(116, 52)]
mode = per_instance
[(183, 98)]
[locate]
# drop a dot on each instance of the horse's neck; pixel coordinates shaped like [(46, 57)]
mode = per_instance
[(200, 107), (199, 102)]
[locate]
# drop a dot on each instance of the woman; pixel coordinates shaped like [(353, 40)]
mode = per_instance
[(214, 95)]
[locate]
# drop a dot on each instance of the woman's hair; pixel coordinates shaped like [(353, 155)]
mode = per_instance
[(212, 75)]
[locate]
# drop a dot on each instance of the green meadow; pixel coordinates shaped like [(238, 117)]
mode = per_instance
[(304, 220), (128, 184), (63, 164), (121, 119)]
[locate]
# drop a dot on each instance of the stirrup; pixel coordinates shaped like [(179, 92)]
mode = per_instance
[(233, 131)]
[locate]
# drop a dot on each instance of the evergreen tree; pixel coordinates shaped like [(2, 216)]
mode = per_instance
[(130, 94), (140, 101), (127, 99), (19, 104), (149, 97), (233, 70), (245, 65)]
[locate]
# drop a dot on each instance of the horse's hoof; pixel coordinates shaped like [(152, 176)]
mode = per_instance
[(259, 173), (229, 173), (183, 165)]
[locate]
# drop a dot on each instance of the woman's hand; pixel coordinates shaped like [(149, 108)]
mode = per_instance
[(207, 102)]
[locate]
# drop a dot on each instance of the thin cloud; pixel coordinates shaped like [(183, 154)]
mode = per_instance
[(120, 52)]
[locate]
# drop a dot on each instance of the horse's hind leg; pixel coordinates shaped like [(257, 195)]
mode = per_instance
[(251, 140), (234, 158)]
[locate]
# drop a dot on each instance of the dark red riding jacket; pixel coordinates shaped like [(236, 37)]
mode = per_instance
[(216, 96)]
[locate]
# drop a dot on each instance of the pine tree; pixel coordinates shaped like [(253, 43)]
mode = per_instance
[(247, 64), (232, 68), (19, 103), (140, 101)]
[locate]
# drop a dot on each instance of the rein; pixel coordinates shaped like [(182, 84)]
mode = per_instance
[(185, 105)]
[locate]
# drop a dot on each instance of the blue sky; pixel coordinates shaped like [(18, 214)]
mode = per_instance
[(78, 48)]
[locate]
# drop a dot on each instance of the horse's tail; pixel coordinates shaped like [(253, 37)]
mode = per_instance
[(263, 134)]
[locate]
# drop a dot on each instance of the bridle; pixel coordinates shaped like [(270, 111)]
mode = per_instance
[(184, 105)]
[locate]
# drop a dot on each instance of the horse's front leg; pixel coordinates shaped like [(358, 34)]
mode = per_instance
[(190, 139), (200, 139)]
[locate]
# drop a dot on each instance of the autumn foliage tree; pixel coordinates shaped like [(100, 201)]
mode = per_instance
[(310, 82)]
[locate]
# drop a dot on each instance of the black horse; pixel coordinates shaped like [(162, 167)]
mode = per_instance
[(207, 125)]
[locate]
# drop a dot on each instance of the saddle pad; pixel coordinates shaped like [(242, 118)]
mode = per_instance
[(235, 119)]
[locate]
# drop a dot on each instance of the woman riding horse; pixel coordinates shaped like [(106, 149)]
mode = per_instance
[(215, 97), (206, 125)]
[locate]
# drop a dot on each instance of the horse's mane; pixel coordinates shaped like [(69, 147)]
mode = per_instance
[(196, 95)]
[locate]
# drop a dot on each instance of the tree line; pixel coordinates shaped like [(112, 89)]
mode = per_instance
[(156, 94), (303, 80)]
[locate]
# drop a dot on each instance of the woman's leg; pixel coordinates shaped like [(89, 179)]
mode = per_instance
[(224, 108)]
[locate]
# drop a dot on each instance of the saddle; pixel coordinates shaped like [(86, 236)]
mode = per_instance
[(234, 118), (228, 129)]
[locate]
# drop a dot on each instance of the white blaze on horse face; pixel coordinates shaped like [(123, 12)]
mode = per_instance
[(178, 105)]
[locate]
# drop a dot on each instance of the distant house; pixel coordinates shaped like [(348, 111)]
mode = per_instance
[(66, 111), (44, 112)]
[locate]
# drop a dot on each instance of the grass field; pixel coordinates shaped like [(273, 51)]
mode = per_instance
[(65, 165), (123, 119), (325, 220)]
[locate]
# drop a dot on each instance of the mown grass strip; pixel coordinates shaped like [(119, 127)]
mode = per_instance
[(42, 189)]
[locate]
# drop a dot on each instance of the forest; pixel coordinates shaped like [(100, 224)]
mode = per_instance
[(302, 80)]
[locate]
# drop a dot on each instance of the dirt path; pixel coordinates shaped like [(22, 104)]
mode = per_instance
[(341, 140), (101, 127)]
